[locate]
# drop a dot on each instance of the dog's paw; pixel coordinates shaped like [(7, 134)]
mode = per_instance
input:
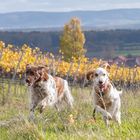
[(31, 118), (108, 116)]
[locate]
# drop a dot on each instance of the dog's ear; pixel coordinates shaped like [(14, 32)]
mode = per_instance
[(106, 66), (43, 67), (28, 66), (90, 75), (30, 69), (47, 68), (43, 72), (44, 76)]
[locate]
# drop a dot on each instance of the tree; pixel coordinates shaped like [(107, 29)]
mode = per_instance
[(72, 40)]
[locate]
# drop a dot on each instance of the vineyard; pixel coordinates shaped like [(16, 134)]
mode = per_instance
[(14, 60), (76, 123)]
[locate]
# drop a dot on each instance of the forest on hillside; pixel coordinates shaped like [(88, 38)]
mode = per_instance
[(101, 44)]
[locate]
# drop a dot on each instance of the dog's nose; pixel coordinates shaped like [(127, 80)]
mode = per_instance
[(100, 82), (27, 81)]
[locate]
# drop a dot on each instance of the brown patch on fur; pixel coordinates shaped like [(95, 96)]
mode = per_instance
[(35, 74), (105, 65), (90, 75), (59, 85), (103, 100), (31, 74), (44, 73)]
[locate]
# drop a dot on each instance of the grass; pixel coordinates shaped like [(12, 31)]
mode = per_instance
[(74, 124)]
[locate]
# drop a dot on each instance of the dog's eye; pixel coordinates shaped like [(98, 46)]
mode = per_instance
[(31, 73), (103, 74), (96, 74)]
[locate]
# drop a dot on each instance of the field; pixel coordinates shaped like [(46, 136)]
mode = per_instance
[(73, 124), (13, 62)]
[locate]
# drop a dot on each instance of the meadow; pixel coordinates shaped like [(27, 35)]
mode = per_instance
[(73, 124), (68, 124)]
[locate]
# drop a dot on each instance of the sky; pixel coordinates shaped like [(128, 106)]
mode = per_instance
[(65, 5)]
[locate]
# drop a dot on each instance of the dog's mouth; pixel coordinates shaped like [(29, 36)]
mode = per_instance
[(32, 83), (28, 82), (102, 86)]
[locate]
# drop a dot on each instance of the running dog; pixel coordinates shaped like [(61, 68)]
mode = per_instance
[(106, 98), (46, 90)]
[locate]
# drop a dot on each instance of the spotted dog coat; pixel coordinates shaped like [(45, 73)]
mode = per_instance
[(46, 90), (106, 98)]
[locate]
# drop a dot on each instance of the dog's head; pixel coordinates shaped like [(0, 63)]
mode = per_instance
[(100, 77), (35, 74)]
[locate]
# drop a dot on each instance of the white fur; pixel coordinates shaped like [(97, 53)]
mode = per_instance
[(45, 94), (113, 95), (66, 95)]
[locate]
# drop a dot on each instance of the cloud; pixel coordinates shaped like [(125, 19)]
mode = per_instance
[(65, 5)]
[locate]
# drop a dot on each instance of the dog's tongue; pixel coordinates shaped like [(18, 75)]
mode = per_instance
[(102, 87)]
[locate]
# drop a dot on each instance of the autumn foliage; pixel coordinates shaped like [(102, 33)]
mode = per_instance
[(72, 40), (13, 59)]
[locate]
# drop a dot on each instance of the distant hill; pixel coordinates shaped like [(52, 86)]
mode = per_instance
[(102, 44), (108, 19)]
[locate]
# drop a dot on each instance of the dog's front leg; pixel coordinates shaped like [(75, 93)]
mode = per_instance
[(106, 120), (106, 115), (57, 107), (33, 104), (117, 117), (93, 114), (32, 109), (42, 105), (49, 100)]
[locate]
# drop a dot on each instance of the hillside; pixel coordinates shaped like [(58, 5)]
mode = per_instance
[(102, 44), (109, 19)]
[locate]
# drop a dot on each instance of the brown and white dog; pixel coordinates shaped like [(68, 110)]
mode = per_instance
[(46, 90), (106, 98)]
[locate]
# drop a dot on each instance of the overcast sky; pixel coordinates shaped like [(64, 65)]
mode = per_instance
[(65, 5)]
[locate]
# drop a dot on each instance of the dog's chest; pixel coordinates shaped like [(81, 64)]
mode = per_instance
[(103, 101), (102, 98), (40, 91)]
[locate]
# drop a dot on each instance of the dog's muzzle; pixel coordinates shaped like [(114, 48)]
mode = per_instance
[(102, 86), (28, 82)]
